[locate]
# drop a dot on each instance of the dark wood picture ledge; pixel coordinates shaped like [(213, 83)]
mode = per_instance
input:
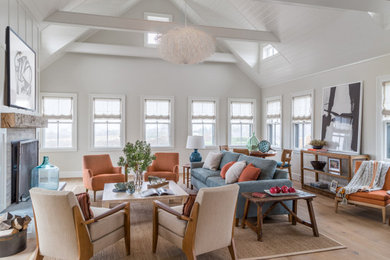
[(17, 120)]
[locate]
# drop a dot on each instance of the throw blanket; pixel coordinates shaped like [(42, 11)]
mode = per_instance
[(369, 177)]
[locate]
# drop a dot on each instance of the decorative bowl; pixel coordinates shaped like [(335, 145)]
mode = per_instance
[(318, 165), (317, 146), (264, 146)]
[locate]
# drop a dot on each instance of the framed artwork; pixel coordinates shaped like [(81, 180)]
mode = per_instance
[(342, 117), (334, 166), (21, 72), (333, 186)]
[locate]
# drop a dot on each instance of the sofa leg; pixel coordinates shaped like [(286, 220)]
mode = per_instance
[(384, 215), (192, 187)]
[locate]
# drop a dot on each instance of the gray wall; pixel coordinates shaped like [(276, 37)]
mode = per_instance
[(86, 74), (366, 71)]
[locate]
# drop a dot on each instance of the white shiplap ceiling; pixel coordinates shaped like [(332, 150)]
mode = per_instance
[(314, 35)]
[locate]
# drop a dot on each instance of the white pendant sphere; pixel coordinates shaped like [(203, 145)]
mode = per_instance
[(186, 45)]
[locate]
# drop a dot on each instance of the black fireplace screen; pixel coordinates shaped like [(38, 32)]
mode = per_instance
[(24, 158)]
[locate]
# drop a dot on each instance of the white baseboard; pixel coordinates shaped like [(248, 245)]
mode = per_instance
[(71, 174)]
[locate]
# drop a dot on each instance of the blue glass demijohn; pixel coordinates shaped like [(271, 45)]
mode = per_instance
[(45, 176)]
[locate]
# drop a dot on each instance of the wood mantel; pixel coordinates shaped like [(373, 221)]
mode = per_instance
[(17, 120)]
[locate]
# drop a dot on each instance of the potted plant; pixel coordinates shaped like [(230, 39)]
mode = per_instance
[(317, 144), (137, 157)]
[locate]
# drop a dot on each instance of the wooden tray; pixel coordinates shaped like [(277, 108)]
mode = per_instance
[(281, 194)]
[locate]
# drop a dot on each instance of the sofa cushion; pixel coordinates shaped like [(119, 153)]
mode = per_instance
[(213, 160), (225, 168), (215, 181), (171, 222), (267, 167), (234, 172), (228, 157), (202, 174), (250, 173)]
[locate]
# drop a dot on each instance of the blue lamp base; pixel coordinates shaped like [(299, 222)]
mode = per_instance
[(195, 156)]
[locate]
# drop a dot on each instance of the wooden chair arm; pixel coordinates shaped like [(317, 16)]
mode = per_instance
[(88, 172), (165, 207), (125, 206)]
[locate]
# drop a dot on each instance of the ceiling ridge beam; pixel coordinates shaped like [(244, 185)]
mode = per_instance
[(128, 24), (134, 51)]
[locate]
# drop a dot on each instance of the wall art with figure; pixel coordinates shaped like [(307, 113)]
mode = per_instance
[(342, 117), (21, 72)]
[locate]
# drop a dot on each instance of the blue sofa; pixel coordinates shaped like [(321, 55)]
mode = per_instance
[(269, 177)]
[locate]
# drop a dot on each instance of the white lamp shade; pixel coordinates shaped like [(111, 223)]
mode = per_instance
[(195, 142)]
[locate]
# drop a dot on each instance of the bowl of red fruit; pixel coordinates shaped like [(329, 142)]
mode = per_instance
[(281, 191)]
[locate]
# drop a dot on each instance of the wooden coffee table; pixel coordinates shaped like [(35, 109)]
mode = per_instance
[(118, 197), (278, 200)]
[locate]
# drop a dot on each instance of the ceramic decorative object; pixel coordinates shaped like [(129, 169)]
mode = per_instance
[(253, 143), (264, 146), (45, 176), (318, 165)]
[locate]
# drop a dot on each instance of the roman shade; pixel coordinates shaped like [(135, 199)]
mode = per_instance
[(301, 108)]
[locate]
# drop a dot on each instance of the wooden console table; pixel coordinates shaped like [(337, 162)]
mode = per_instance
[(349, 157)]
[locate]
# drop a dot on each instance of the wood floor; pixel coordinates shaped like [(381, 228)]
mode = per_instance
[(358, 228)]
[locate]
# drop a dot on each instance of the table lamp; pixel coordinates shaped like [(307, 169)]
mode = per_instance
[(195, 142)]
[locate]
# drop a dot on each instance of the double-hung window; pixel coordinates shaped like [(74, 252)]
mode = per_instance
[(61, 132), (241, 120), (274, 130), (152, 38), (107, 121), (302, 120), (203, 119), (386, 117), (158, 121)]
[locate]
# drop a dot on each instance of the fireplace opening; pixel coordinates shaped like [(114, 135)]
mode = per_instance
[(24, 157)]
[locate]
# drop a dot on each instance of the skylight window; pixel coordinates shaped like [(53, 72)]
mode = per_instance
[(269, 51), (151, 38)]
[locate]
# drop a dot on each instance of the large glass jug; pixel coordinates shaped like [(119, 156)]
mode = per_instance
[(45, 176)]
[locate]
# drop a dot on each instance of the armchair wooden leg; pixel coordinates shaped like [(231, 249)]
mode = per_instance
[(94, 196), (155, 229), (37, 255), (232, 250), (86, 190), (289, 172), (190, 255), (384, 215), (336, 205), (127, 228), (237, 222)]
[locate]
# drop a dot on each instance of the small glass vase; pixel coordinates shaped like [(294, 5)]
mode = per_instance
[(138, 180), (253, 143), (45, 176)]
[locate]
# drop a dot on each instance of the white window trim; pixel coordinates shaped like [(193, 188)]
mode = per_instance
[(190, 100), (266, 100), (74, 147), (146, 14), (172, 116), (230, 100), (270, 57), (297, 94), (91, 125), (380, 136)]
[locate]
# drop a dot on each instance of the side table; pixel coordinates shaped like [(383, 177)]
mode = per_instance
[(258, 227), (186, 171)]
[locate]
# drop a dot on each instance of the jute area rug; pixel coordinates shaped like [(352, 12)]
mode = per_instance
[(279, 239)]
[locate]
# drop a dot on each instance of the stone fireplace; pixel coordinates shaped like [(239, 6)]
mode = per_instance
[(14, 127)]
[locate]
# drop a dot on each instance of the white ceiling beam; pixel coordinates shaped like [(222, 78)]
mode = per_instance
[(127, 24), (375, 6), (132, 51)]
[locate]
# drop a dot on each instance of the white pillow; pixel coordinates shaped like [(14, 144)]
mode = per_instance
[(212, 161), (234, 172)]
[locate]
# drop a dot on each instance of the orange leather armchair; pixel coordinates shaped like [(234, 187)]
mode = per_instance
[(98, 170), (165, 166)]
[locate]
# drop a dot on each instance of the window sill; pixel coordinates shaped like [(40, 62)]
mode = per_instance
[(57, 150), (105, 149), (163, 148)]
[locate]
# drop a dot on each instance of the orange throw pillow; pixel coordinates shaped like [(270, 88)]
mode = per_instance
[(187, 207), (85, 205), (225, 168), (250, 173)]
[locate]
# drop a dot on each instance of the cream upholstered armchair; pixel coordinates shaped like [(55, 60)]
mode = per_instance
[(209, 226), (62, 232)]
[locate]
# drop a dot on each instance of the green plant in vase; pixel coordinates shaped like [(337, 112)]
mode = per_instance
[(318, 144), (137, 157)]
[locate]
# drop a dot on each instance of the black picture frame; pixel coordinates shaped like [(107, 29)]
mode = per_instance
[(21, 72)]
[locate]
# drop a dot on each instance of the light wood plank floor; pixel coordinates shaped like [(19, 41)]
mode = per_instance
[(358, 228)]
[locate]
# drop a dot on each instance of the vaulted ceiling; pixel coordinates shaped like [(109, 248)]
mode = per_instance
[(310, 35)]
